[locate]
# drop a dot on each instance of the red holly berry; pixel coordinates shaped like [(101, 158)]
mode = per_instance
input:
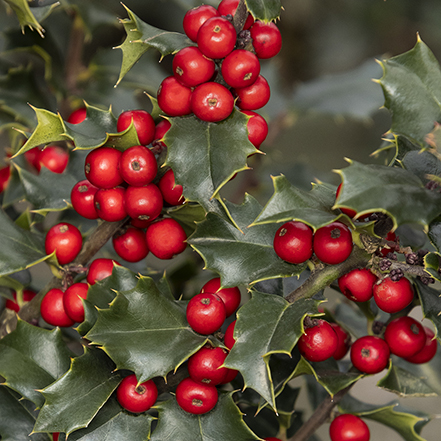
[(72, 302), (32, 156), (349, 427), (358, 284), (228, 7), (370, 354), (143, 122), (293, 242), (319, 342), (138, 165), (216, 37), (229, 340), (5, 174), (348, 211), (136, 397), (271, 438), (196, 398), (77, 116), (131, 244), (166, 238), (53, 158), (257, 128), (267, 40), (144, 202), (55, 436), (344, 341), (240, 68), (253, 97), (230, 296), (161, 129), (66, 240), (212, 102), (393, 296), (405, 336), (102, 167), (109, 204), (28, 295), (205, 365), (99, 269), (206, 313), (195, 18), (52, 309), (171, 192), (333, 243), (174, 97), (429, 349), (82, 198)]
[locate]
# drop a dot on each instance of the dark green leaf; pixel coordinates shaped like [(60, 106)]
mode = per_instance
[(187, 215), (435, 234), (421, 164), (430, 304), (74, 400), (264, 10), (432, 265), (240, 256)]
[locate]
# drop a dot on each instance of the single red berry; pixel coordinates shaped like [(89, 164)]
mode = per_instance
[(109, 204), (136, 397), (166, 238), (99, 269), (255, 96), (229, 340), (228, 7), (138, 165), (293, 242), (212, 102), (72, 302), (319, 342), (358, 284), (143, 122), (267, 40), (66, 240), (191, 67), (5, 174), (55, 436), (257, 128), (171, 192), (405, 336), (216, 37), (344, 341), (393, 296), (102, 167), (131, 244), (196, 398), (32, 157), (230, 375), (77, 116), (28, 295), (205, 365), (347, 427), (53, 158), (370, 354), (82, 198), (174, 97), (429, 349), (52, 309), (144, 202), (195, 18), (161, 129), (230, 296), (240, 68), (271, 438), (205, 313), (332, 243)]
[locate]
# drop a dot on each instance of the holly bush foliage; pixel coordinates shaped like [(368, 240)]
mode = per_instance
[(64, 380)]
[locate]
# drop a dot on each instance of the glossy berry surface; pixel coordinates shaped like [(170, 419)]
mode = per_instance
[(257, 128), (319, 342), (205, 365), (171, 192), (428, 351), (240, 68), (344, 341), (161, 129), (347, 427), (52, 309), (138, 165), (216, 37), (205, 313), (358, 284), (405, 336), (212, 102), (228, 7), (174, 97), (13, 304), (5, 174), (333, 243), (109, 204), (196, 398), (72, 302), (66, 240), (393, 296), (229, 340), (255, 96), (99, 269), (102, 167), (195, 18), (77, 116), (267, 40), (131, 244), (143, 122), (293, 242), (82, 198), (144, 202), (136, 398), (230, 296), (54, 158), (370, 354), (166, 238), (191, 67)]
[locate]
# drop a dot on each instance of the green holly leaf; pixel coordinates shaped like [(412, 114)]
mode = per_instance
[(137, 327), (74, 400), (432, 265), (289, 202), (17, 420), (411, 86), (240, 256), (407, 423), (430, 304), (435, 234), (267, 324), (141, 37), (20, 248), (422, 164), (188, 215), (406, 200), (223, 422), (264, 10), (205, 156)]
